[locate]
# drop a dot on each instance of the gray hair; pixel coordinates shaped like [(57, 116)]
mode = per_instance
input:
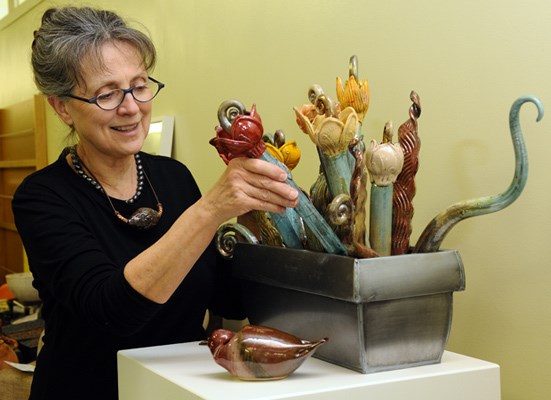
[(69, 35)]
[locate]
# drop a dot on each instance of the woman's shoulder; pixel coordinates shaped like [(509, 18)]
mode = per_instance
[(50, 175)]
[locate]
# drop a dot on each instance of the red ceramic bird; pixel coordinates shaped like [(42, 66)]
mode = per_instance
[(259, 353)]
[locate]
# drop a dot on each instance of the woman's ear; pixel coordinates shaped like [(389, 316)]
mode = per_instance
[(59, 107)]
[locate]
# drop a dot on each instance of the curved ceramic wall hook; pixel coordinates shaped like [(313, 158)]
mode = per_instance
[(435, 232)]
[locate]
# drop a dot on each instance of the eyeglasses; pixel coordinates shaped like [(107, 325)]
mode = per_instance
[(112, 99)]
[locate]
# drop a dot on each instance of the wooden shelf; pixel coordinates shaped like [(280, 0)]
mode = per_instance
[(22, 151), (8, 226)]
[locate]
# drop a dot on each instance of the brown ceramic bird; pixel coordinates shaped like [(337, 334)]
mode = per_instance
[(259, 353)]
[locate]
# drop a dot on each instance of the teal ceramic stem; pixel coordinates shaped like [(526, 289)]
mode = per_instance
[(435, 232), (337, 172), (380, 219), (287, 225), (310, 215)]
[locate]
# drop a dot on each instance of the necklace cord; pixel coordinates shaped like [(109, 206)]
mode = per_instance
[(143, 218)]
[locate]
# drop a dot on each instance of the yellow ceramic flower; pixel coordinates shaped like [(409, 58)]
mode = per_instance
[(288, 153), (354, 94)]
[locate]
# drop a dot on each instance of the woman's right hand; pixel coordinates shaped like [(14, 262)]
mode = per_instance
[(249, 184)]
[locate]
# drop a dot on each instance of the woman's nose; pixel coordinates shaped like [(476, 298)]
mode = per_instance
[(129, 104)]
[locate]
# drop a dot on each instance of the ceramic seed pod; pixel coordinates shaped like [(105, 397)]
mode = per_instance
[(260, 353)]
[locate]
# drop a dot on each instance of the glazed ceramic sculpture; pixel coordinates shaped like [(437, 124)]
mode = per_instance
[(260, 353), (288, 154), (433, 235), (333, 217), (350, 211), (331, 131), (240, 135), (229, 234), (355, 92), (386, 160), (404, 187)]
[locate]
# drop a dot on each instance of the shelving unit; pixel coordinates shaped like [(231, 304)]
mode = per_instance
[(23, 150)]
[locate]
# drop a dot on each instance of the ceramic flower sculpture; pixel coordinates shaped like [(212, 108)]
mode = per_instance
[(333, 217), (287, 153), (331, 132), (385, 162), (339, 193), (240, 135), (259, 352), (404, 187), (435, 232), (355, 92)]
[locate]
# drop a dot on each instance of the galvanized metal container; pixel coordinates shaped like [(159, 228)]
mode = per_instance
[(379, 314)]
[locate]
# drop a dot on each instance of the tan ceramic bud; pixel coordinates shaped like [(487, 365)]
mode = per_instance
[(384, 162)]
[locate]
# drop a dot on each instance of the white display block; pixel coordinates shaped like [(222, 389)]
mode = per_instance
[(187, 371)]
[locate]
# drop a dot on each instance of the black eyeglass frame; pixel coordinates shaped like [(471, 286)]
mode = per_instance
[(94, 100)]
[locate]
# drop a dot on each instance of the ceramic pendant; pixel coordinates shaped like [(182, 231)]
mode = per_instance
[(144, 218)]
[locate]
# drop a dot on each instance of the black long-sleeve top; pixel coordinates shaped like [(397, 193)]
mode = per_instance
[(77, 250)]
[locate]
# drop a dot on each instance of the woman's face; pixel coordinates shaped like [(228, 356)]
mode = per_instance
[(115, 133)]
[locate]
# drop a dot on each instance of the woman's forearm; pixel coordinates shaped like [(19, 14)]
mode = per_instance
[(158, 271)]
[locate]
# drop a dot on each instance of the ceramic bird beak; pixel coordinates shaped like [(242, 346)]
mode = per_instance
[(260, 353)]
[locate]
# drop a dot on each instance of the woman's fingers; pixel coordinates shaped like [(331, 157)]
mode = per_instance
[(265, 182), (250, 184), (260, 167)]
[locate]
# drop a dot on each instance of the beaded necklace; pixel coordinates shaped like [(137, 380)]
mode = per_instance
[(143, 218)]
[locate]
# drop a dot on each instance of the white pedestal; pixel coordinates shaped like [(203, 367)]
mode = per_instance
[(187, 371)]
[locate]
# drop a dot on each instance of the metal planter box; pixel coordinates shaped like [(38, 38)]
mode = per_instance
[(379, 314)]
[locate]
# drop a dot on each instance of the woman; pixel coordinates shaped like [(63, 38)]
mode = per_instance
[(109, 279)]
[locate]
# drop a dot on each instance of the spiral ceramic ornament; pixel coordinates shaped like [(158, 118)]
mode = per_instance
[(435, 232), (260, 353), (229, 234)]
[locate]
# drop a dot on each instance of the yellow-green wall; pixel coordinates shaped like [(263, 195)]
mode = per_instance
[(468, 60)]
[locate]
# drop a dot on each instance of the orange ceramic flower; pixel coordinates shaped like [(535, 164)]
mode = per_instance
[(288, 153)]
